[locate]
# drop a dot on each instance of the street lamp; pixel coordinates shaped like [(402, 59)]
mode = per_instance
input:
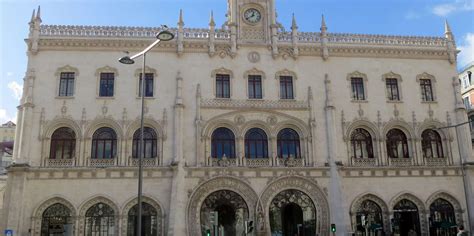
[(163, 35)]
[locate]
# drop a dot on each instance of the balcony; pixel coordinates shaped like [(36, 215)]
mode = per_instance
[(363, 162), (60, 162), (256, 162), (436, 161), (401, 161), (146, 162), (101, 162)]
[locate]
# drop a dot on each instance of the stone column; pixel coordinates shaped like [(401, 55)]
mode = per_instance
[(178, 189), (337, 206), (12, 217)]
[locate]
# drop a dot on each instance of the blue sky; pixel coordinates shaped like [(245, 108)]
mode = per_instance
[(393, 17)]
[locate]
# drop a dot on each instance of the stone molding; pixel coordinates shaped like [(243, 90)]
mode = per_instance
[(421, 209), (199, 194), (458, 211), (38, 212), (300, 183), (91, 202), (256, 104), (374, 198), (106, 69), (67, 68), (160, 215)]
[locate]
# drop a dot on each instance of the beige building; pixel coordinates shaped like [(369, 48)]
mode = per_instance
[(291, 130), (7, 132)]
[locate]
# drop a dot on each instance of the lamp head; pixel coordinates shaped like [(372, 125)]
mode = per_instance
[(165, 35), (126, 60)]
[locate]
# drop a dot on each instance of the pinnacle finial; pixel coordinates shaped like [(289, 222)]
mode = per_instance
[(32, 16), (447, 29), (293, 23), (211, 20), (323, 24), (181, 22), (38, 14)]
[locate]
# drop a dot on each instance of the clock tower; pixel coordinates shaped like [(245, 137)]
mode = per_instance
[(253, 21)]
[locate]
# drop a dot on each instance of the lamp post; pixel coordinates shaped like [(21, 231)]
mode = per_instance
[(163, 35)]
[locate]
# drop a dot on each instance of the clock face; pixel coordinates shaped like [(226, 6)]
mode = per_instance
[(252, 15)]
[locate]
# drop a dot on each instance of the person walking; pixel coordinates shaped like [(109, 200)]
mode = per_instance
[(461, 231)]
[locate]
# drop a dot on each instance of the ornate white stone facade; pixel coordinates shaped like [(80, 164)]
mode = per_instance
[(185, 110)]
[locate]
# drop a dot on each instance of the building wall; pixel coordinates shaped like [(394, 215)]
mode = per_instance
[(185, 112)]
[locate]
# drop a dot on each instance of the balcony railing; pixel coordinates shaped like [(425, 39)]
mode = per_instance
[(436, 161), (401, 161), (60, 162), (257, 162), (146, 162), (102, 162), (363, 162)]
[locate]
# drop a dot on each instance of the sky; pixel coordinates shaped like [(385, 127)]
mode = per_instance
[(390, 17)]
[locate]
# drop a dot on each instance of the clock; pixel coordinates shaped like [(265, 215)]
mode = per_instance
[(252, 15)]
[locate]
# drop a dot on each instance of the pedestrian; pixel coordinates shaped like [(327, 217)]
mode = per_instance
[(412, 233), (461, 231)]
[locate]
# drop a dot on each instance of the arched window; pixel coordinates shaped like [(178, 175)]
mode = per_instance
[(256, 144), (442, 218), (406, 218), (63, 144), (149, 220), (288, 142), (104, 144), (361, 142), (100, 220), (369, 218), (149, 143), (57, 220), (431, 144), (397, 144), (223, 143)]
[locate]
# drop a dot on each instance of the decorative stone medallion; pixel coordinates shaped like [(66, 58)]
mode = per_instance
[(254, 57)]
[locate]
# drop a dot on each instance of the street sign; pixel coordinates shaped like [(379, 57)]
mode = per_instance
[(9, 232)]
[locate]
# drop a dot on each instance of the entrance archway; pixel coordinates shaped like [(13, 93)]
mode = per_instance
[(406, 218), (232, 211), (292, 212), (204, 198)]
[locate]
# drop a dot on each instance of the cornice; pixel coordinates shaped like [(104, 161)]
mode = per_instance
[(106, 38)]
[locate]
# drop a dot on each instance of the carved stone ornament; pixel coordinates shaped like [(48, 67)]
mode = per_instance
[(356, 74), (106, 69), (254, 71), (205, 189), (419, 204), (64, 108), (147, 70), (391, 75), (272, 120), (357, 207), (253, 57), (222, 70), (104, 109), (308, 187), (37, 216), (240, 119), (67, 68), (285, 72)]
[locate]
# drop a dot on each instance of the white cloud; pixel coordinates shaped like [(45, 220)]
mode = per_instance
[(4, 117), (467, 50), (9, 74), (16, 88), (458, 5)]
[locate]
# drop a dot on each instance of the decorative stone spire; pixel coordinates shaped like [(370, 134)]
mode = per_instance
[(451, 44), (38, 15), (323, 28), (32, 18), (180, 33), (34, 23), (447, 31), (212, 33), (327, 85), (324, 39), (294, 36)]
